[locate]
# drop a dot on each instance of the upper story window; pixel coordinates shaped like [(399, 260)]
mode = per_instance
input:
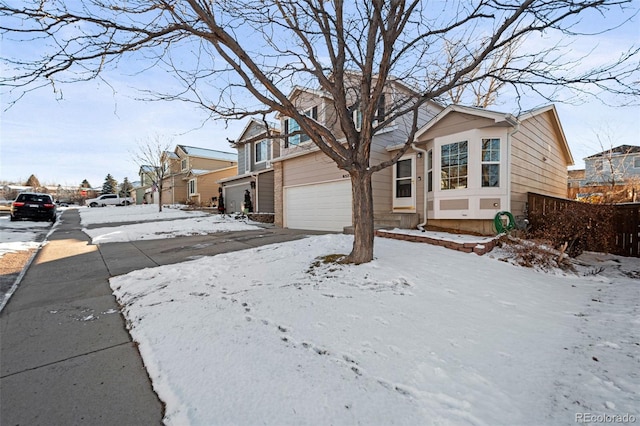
[(380, 114), (491, 162), (292, 126), (263, 151), (184, 164), (599, 165), (454, 160)]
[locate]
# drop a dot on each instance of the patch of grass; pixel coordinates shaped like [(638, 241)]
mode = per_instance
[(329, 259)]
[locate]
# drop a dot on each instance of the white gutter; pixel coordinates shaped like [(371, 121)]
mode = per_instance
[(509, 139), (424, 184)]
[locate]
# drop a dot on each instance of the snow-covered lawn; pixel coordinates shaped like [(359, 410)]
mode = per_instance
[(147, 213), (422, 335), (169, 223)]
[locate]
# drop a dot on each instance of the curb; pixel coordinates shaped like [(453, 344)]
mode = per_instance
[(25, 268)]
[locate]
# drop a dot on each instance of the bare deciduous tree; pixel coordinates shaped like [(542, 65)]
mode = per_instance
[(240, 58), (151, 157)]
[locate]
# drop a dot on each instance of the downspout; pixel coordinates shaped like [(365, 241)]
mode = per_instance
[(424, 184)]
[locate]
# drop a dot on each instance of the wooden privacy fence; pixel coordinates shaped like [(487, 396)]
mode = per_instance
[(624, 222)]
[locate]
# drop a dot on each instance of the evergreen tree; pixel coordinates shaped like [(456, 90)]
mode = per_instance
[(125, 187), (85, 184), (33, 182), (110, 185)]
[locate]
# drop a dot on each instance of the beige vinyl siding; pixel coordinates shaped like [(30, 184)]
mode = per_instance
[(456, 123), (207, 187), (382, 181), (537, 162), (313, 168), (197, 163)]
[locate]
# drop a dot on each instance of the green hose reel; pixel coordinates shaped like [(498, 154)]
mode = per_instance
[(503, 226)]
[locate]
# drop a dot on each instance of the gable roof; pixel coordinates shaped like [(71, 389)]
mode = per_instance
[(556, 120), (255, 123), (497, 117), (619, 150), (208, 153)]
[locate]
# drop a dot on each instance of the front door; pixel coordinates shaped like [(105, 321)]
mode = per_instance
[(404, 184)]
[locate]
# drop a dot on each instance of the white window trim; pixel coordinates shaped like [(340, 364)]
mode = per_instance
[(269, 153), (497, 163), (184, 164), (194, 183), (247, 158)]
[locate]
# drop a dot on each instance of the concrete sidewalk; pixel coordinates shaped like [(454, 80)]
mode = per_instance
[(66, 357)]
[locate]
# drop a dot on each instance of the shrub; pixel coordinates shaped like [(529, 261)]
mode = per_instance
[(578, 227)]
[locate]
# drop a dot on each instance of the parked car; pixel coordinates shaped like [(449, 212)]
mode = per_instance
[(34, 206), (109, 200)]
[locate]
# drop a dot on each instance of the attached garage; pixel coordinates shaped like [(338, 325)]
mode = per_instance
[(319, 207), (234, 195)]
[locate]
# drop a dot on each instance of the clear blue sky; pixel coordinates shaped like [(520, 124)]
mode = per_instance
[(93, 131)]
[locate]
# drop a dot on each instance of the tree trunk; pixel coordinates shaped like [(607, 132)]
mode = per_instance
[(362, 251), (160, 199)]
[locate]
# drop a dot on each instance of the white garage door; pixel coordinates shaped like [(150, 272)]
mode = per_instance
[(320, 207)]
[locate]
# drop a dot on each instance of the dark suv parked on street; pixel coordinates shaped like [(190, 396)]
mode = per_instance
[(30, 205)]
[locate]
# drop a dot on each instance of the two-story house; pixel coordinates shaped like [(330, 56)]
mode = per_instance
[(144, 191), (193, 172), (257, 146), (614, 173), (313, 193), (465, 166)]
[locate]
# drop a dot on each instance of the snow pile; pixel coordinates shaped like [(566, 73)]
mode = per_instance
[(421, 335)]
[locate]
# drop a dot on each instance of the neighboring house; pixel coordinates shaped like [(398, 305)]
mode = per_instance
[(575, 181), (187, 180), (613, 166), (256, 147), (613, 173), (466, 165), (144, 192), (312, 193), (203, 186)]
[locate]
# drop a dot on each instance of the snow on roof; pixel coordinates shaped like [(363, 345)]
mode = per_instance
[(209, 153)]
